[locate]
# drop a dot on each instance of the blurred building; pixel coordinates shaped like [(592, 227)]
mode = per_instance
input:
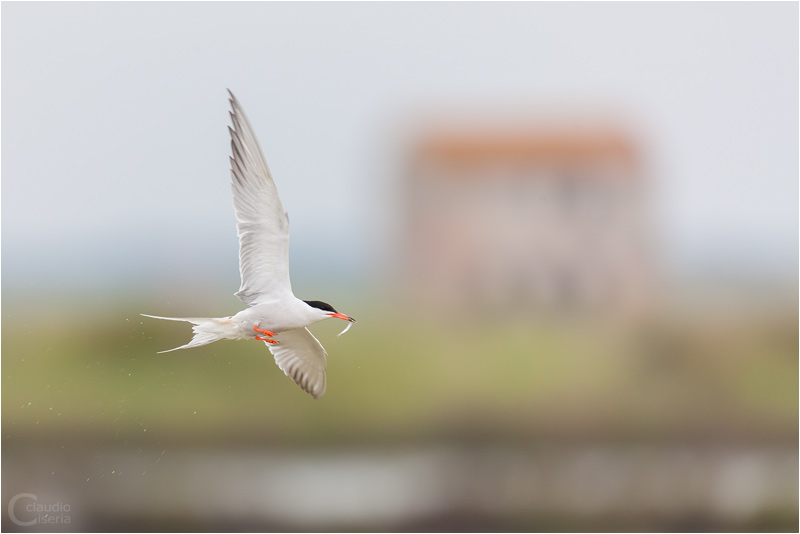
[(514, 221)]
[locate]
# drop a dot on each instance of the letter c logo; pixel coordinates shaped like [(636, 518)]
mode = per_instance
[(11, 504)]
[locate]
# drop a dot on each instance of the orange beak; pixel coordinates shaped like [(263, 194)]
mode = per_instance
[(342, 316)]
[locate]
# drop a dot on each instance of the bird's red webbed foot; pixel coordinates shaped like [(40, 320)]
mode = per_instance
[(266, 333)]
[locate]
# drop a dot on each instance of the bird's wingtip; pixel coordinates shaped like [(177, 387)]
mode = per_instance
[(232, 97)]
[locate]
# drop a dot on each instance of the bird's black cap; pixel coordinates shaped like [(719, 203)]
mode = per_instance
[(324, 306)]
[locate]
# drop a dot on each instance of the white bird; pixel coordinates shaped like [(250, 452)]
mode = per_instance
[(274, 311)]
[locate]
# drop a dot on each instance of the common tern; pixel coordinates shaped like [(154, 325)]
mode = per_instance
[(274, 316)]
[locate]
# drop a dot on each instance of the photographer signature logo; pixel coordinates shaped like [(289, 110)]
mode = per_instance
[(25, 510)]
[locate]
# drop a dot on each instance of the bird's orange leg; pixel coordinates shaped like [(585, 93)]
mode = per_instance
[(265, 332)]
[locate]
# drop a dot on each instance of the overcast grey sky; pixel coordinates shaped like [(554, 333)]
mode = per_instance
[(114, 117)]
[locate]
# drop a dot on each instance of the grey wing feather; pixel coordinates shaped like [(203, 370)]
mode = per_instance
[(302, 358), (262, 223)]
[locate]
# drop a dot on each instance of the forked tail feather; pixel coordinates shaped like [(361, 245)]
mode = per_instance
[(206, 330)]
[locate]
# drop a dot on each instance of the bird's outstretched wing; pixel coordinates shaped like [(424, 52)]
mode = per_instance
[(302, 358), (262, 224)]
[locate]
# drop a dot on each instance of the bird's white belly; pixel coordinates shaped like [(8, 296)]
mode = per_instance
[(273, 317)]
